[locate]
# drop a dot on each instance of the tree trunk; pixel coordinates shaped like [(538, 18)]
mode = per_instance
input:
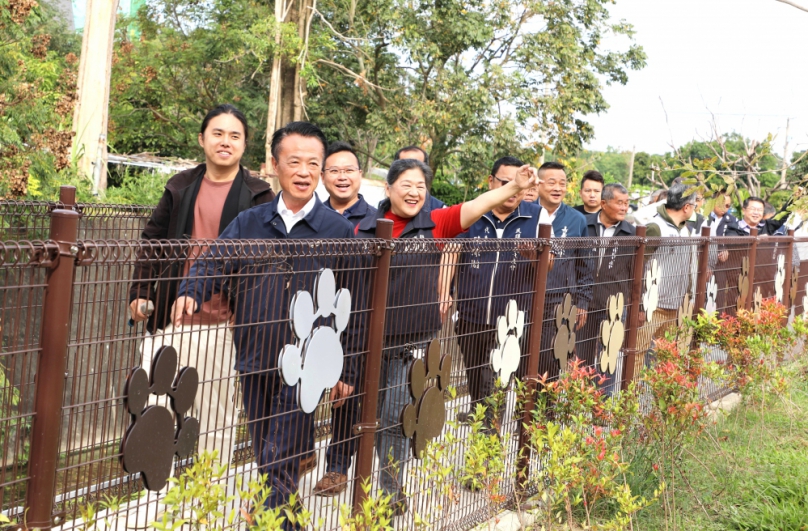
[(91, 115), (631, 167)]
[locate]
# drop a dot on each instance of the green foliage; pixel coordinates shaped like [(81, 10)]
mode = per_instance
[(37, 91)]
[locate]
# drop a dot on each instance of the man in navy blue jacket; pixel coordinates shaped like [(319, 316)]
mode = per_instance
[(342, 179), (262, 281), (572, 269), (488, 279)]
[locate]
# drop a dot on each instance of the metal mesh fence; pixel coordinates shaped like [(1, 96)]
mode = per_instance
[(272, 327)]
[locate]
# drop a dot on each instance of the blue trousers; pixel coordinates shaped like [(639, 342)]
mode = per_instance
[(280, 432)]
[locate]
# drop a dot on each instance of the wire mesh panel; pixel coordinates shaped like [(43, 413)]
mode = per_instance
[(25, 220), (23, 268), (273, 321), (770, 268)]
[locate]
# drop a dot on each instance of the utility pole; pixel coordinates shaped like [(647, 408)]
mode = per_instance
[(784, 169), (91, 115), (631, 167)]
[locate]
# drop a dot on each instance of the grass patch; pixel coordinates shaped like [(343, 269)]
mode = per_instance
[(749, 471)]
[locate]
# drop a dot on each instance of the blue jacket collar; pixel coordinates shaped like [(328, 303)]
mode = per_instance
[(515, 214), (422, 220)]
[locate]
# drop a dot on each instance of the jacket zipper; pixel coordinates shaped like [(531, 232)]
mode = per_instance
[(494, 272)]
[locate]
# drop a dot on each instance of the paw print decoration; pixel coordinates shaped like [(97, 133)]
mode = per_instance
[(423, 420), (152, 440), (711, 305), (612, 333), (780, 278), (650, 299), (315, 362), (757, 302), (505, 358), (795, 281), (564, 342), (743, 282), (684, 313)]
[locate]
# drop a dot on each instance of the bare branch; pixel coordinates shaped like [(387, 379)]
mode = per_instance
[(794, 4)]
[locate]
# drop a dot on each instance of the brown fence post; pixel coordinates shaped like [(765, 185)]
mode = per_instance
[(701, 277), (787, 302), (373, 365), (534, 350), (750, 300), (50, 373), (633, 321)]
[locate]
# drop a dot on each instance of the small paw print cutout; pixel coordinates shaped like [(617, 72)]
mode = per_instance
[(795, 280), (612, 333), (743, 282), (564, 342), (152, 440), (711, 304), (315, 362), (510, 327), (650, 298), (780, 278), (757, 302), (423, 420), (685, 312)]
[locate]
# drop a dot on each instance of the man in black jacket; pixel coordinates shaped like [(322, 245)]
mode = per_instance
[(611, 265), (198, 204)]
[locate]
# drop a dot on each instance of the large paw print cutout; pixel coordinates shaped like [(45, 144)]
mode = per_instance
[(564, 342), (612, 333), (711, 305), (315, 362), (780, 278), (743, 282), (423, 420), (650, 298), (152, 439), (510, 327)]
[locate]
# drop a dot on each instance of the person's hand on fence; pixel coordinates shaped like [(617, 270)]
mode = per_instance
[(581, 318), (723, 256), (136, 308), (182, 306), (339, 393)]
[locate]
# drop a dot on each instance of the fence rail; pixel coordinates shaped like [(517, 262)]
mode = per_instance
[(277, 312)]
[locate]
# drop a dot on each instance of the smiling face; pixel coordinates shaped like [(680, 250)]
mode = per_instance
[(223, 141), (342, 178), (407, 194), (753, 213), (505, 174), (590, 194), (552, 188), (298, 167)]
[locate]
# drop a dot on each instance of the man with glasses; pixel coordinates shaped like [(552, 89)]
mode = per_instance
[(676, 263), (342, 178), (611, 264)]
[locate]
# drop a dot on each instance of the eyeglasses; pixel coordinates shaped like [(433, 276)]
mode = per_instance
[(501, 181), (348, 172), (755, 210)]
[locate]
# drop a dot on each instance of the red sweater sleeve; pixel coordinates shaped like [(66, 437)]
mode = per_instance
[(447, 222)]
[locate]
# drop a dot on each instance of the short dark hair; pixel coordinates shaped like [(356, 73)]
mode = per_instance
[(768, 208), (400, 166), (552, 165), (753, 199), (610, 189), (225, 108), (681, 195), (592, 175), (342, 147), (397, 156), (305, 129), (506, 161)]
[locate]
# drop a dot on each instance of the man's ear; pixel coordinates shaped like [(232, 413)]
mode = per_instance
[(200, 139), (490, 182), (274, 162)]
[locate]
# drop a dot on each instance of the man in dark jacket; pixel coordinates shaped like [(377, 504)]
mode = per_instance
[(280, 385), (198, 204), (612, 264)]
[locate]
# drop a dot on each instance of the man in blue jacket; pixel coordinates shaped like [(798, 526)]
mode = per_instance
[(488, 279), (263, 278), (572, 269)]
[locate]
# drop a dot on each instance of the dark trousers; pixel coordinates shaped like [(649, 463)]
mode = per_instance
[(280, 432), (342, 446), (476, 343)]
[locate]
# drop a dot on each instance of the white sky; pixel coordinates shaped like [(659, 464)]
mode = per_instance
[(744, 60)]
